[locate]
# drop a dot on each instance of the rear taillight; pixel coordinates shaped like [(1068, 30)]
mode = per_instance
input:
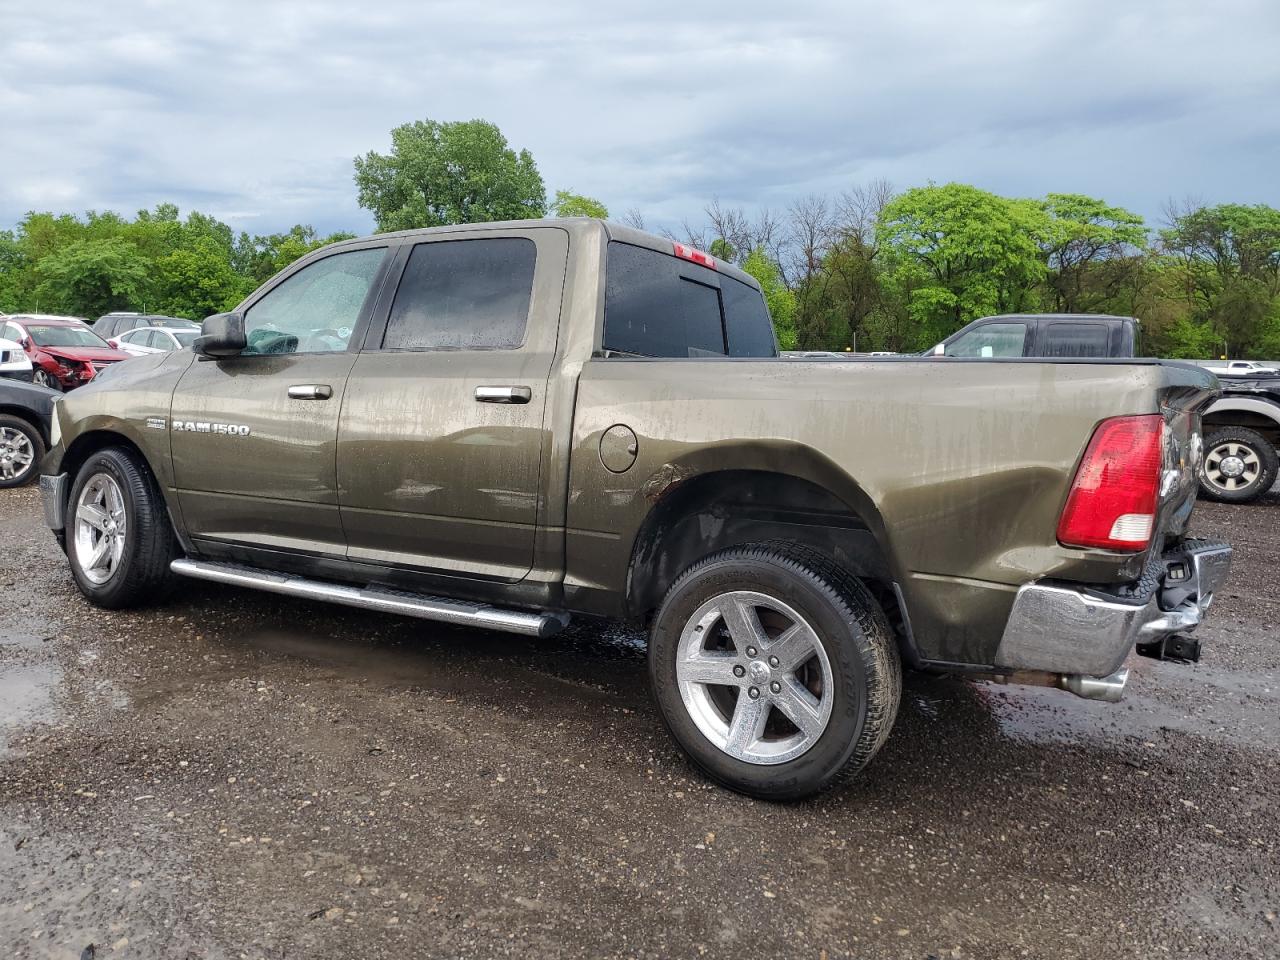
[(1113, 499)]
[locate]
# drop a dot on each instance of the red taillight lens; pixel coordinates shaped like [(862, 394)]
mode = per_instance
[(694, 256), (1113, 499)]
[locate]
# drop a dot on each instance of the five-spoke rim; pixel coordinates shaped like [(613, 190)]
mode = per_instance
[(100, 528), (754, 677), (16, 453), (1232, 466)]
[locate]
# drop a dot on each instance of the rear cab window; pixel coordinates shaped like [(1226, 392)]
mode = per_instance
[(657, 305), (1070, 339)]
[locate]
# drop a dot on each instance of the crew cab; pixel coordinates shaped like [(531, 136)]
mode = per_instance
[(509, 424)]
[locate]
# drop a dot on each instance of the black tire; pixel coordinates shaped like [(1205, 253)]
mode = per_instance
[(1214, 484), (44, 378), (28, 430), (142, 575), (853, 631)]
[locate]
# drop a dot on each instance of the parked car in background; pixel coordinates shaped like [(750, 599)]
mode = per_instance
[(1241, 368), (1051, 335), (145, 340), (63, 351), (113, 324), (26, 415), (1242, 438), (14, 362)]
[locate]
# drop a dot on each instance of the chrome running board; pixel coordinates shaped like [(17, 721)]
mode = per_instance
[(381, 599)]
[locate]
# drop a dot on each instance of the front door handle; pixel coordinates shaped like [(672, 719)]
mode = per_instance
[(310, 391), (503, 394)]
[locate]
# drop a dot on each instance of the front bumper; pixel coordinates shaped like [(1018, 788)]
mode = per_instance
[(1069, 630)]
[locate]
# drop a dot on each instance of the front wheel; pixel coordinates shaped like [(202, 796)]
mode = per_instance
[(44, 378), (775, 670), (21, 450), (1239, 465), (119, 539)]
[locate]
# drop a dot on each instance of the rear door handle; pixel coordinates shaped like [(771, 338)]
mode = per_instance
[(503, 394), (310, 391)]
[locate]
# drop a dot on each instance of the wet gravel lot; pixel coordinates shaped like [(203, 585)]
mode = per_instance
[(237, 775)]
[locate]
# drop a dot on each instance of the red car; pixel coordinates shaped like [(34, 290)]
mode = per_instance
[(64, 351)]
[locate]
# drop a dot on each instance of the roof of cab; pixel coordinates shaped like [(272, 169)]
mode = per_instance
[(577, 227)]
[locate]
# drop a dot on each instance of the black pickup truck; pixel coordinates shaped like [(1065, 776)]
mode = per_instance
[(1239, 461)]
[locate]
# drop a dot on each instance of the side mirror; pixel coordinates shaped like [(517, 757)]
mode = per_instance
[(940, 350), (223, 336)]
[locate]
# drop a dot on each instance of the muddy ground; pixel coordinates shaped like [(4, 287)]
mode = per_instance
[(236, 775)]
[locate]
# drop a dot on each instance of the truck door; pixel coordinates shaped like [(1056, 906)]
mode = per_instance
[(253, 436), (442, 442)]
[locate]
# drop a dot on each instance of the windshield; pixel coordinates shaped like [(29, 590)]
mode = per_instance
[(65, 337), (186, 337)]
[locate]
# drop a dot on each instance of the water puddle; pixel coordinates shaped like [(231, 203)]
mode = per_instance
[(26, 697)]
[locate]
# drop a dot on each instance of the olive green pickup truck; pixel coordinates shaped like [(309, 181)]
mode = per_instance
[(508, 424)]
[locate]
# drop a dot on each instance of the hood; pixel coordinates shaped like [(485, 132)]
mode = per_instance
[(82, 354)]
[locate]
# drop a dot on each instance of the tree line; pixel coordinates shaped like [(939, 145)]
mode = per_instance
[(868, 269)]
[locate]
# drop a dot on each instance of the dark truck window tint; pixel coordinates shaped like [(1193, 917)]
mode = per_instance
[(655, 306), (747, 318), (650, 309), (990, 340), (463, 295), (1076, 340)]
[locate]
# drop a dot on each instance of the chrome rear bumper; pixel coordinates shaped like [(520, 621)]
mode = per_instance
[(1067, 630)]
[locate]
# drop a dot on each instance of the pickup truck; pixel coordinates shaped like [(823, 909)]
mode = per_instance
[(1242, 444), (508, 424)]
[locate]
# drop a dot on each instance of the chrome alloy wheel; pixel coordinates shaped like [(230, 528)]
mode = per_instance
[(100, 528), (754, 677), (16, 453), (1232, 466)]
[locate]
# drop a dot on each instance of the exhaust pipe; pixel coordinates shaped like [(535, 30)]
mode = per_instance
[(1108, 689)]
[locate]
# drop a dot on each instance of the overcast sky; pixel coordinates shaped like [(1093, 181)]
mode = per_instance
[(253, 111)]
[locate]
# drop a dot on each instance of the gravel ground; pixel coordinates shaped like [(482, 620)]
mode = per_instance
[(236, 775)]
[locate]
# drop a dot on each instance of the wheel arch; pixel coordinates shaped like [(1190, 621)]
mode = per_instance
[(1260, 416), (794, 494), (27, 416)]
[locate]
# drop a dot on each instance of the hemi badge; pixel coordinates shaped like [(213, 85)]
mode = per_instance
[(156, 423)]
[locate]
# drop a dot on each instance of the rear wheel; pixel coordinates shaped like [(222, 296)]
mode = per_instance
[(1239, 465), (119, 539), (774, 669), (21, 450)]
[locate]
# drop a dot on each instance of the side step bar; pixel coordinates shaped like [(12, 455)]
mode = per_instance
[(380, 599)]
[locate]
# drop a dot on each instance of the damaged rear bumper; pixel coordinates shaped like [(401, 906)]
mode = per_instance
[(1086, 634)]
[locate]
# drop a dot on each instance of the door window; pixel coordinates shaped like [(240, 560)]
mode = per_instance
[(316, 309), (1076, 340), (463, 295), (159, 340), (990, 340)]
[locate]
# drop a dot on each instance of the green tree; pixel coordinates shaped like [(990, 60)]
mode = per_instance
[(962, 253), (442, 173), (780, 300), (92, 277), (1227, 259), (568, 204), (1092, 250), (197, 281)]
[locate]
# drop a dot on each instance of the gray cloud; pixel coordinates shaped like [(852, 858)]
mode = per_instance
[(253, 111)]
